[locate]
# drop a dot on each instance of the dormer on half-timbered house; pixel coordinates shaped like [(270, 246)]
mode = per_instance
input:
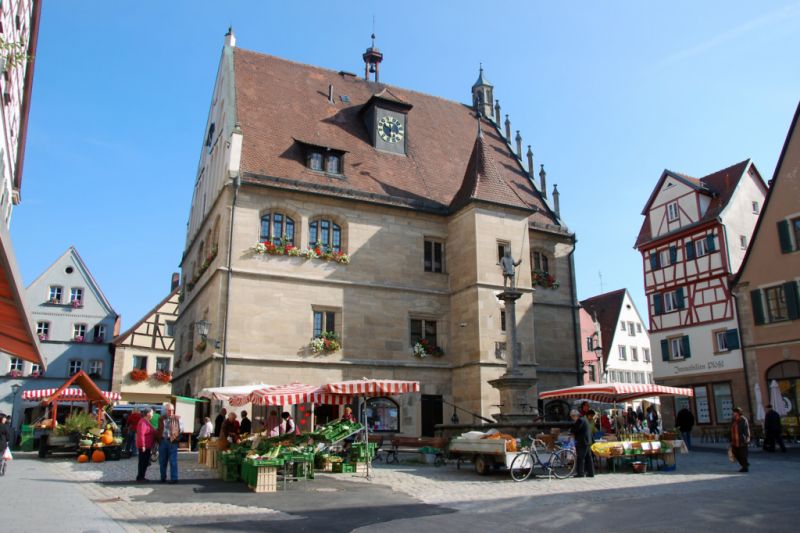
[(143, 354), (693, 238)]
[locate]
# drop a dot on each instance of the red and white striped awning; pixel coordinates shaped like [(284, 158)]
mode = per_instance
[(292, 394), (615, 392), (71, 394), (373, 387)]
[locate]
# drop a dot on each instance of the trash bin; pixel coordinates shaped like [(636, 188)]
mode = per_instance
[(26, 438)]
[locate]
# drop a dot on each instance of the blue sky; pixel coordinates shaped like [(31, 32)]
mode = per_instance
[(607, 93)]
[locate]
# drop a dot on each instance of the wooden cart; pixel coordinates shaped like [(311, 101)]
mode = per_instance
[(485, 454)]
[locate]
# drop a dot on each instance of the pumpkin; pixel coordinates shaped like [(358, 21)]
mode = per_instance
[(98, 456), (107, 438), (83, 458)]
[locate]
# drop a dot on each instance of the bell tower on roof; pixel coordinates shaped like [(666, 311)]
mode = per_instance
[(482, 96), (372, 61)]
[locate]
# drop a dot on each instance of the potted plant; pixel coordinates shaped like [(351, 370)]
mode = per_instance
[(201, 346), (78, 338), (327, 342), (543, 279), (164, 376), (14, 374), (76, 303), (37, 374), (138, 374), (425, 348), (42, 337)]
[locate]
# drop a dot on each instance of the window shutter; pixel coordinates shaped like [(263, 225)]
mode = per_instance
[(681, 301), (665, 350), (658, 303), (686, 352), (653, 261), (785, 238), (758, 307), (792, 303), (732, 339), (710, 242), (690, 250), (673, 255)]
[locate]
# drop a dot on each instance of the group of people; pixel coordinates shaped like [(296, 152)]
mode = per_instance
[(228, 428)]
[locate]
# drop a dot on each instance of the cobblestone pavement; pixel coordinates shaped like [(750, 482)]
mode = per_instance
[(705, 492)]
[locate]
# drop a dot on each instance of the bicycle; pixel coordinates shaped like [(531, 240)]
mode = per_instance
[(561, 462)]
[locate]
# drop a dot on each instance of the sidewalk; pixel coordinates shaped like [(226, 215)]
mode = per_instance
[(35, 498)]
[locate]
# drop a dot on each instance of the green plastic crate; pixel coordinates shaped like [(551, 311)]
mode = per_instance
[(230, 471), (344, 468), (26, 438)]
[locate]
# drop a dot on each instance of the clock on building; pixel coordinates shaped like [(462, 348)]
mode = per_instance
[(390, 129)]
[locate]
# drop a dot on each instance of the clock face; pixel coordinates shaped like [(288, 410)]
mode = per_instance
[(390, 129)]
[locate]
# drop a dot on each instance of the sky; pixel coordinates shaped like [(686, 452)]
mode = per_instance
[(608, 95)]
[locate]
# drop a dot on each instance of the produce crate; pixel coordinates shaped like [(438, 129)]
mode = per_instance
[(212, 458), (229, 471), (360, 467), (265, 462), (202, 455), (264, 479), (363, 453), (344, 468)]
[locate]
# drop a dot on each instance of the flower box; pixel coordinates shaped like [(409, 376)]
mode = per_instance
[(78, 338), (317, 252), (162, 376), (425, 348), (137, 374), (544, 279), (42, 337), (14, 374), (328, 342), (76, 303)]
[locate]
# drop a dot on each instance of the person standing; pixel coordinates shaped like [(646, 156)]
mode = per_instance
[(246, 425), (652, 420), (740, 438), (773, 430), (219, 421), (206, 430), (144, 435), (230, 431), (170, 428), (289, 427), (131, 425), (685, 423), (583, 442)]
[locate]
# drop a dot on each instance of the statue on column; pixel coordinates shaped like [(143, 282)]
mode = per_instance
[(508, 265)]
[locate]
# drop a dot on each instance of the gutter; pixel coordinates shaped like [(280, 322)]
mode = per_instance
[(575, 318)]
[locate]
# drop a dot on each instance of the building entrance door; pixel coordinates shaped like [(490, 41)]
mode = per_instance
[(431, 413)]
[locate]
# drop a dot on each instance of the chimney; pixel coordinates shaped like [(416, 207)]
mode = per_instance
[(497, 112), (518, 138), (175, 281), (508, 129), (230, 38), (543, 177), (555, 200), (530, 162), (330, 93)]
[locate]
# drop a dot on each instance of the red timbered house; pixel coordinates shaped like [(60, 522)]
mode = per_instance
[(693, 239)]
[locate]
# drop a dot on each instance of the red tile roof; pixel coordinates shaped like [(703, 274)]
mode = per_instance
[(279, 101), (719, 185), (606, 309)]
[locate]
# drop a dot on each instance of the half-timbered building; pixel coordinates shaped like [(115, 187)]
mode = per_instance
[(693, 238)]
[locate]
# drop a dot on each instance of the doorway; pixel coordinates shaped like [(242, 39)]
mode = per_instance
[(432, 407)]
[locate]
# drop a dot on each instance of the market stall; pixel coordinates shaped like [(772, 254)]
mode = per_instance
[(225, 393), (636, 447), (79, 430)]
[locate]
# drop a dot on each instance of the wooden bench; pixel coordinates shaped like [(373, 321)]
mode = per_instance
[(413, 445)]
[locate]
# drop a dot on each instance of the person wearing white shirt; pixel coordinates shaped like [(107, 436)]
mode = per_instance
[(207, 429)]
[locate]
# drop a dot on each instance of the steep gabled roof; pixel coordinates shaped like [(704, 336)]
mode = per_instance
[(605, 308), (719, 185), (279, 101), (790, 138), (120, 339)]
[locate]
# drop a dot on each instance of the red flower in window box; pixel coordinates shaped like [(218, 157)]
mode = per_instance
[(138, 374), (15, 374), (42, 337), (76, 303), (37, 374), (164, 376), (78, 338)]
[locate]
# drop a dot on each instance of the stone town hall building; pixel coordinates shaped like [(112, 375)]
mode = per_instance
[(381, 214)]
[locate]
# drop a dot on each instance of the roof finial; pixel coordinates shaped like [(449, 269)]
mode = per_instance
[(543, 176)]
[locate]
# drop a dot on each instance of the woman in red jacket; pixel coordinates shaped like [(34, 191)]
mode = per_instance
[(145, 439)]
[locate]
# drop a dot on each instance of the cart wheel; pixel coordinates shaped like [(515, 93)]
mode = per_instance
[(481, 465)]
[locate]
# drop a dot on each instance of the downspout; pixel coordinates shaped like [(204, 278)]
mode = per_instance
[(744, 359), (575, 318), (237, 182)]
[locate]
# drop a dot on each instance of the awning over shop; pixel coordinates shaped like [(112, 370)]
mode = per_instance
[(373, 387), (291, 394), (72, 394), (17, 336), (615, 392), (225, 393)]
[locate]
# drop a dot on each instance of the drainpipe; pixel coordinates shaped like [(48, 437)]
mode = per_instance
[(575, 318), (744, 359), (237, 183)]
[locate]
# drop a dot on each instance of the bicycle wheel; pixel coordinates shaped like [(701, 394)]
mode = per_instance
[(521, 467), (562, 463)]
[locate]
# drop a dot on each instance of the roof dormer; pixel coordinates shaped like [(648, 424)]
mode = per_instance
[(385, 116)]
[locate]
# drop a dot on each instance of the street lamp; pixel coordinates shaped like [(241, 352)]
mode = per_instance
[(203, 327), (14, 390)]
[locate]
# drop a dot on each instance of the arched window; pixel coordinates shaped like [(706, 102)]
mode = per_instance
[(383, 415), (326, 233), (786, 375), (274, 226)]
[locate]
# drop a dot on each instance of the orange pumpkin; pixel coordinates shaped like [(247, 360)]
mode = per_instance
[(107, 438), (98, 456), (83, 458)]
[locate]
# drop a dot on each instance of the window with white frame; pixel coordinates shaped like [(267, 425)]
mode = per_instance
[(163, 364), (634, 353), (646, 355), (78, 332), (637, 377), (721, 341), (622, 326), (99, 333), (701, 247), (631, 329), (75, 366), (36, 369), (15, 364), (140, 362), (670, 301), (76, 296), (664, 258), (677, 348), (628, 377), (623, 354), (502, 246), (743, 242), (55, 294), (672, 211), (96, 368), (638, 327), (43, 330)]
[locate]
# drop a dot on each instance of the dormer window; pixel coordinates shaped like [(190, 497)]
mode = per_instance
[(333, 164), (314, 161), (322, 158)]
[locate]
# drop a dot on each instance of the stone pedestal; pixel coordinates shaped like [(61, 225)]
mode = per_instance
[(517, 385)]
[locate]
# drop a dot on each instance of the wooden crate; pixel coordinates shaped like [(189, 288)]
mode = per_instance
[(266, 479), (212, 458), (361, 468), (202, 453)]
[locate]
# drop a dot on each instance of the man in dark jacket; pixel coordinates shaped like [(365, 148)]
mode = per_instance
[(685, 423), (583, 442), (245, 426), (5, 434), (773, 431), (740, 438), (219, 420)]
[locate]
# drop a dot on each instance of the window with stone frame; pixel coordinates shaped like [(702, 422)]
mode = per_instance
[(502, 320), (326, 234), (423, 328), (75, 366), (777, 309), (433, 255), (275, 226), (502, 246), (324, 322), (541, 262)]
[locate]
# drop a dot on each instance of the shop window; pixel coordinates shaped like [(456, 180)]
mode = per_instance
[(275, 226), (326, 234), (383, 415), (140, 362), (723, 402), (787, 375), (434, 256), (703, 414)]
